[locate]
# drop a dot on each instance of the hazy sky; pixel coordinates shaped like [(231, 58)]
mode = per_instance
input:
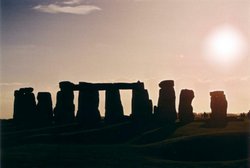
[(47, 41)]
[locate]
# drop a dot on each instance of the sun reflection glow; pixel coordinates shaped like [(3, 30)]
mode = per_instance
[(225, 46)]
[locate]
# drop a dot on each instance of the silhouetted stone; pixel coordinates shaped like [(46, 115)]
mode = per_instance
[(44, 108), (141, 104), (166, 84), (113, 106), (185, 106), (88, 102), (18, 107), (64, 110), (26, 90), (88, 112), (24, 106), (106, 86), (166, 103), (66, 86), (218, 106)]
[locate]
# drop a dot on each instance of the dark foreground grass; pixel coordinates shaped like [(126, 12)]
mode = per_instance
[(191, 129), (151, 149), (96, 156)]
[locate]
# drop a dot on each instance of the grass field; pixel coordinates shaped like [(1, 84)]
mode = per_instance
[(183, 146)]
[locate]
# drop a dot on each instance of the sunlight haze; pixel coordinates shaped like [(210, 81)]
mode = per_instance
[(47, 41)]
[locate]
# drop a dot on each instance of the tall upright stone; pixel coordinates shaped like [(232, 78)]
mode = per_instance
[(18, 107), (186, 114), (166, 111), (24, 106), (44, 108), (88, 102), (218, 106), (113, 106), (65, 108), (142, 106)]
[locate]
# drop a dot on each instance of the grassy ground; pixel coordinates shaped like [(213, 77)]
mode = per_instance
[(155, 147), (192, 129), (96, 156)]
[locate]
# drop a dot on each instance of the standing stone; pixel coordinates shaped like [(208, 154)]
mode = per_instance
[(18, 107), (186, 114), (113, 106), (66, 86), (65, 108), (142, 106), (44, 108), (166, 111), (24, 106), (88, 102), (218, 106)]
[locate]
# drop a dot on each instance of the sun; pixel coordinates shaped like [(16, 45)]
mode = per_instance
[(225, 45)]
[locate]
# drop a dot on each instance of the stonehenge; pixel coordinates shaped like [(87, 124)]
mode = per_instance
[(26, 109), (44, 108), (65, 108), (24, 106), (142, 106), (28, 112), (88, 101), (113, 106), (218, 106), (166, 111), (185, 106)]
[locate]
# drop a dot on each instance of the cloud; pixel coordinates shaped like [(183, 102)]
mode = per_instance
[(66, 7), (71, 2)]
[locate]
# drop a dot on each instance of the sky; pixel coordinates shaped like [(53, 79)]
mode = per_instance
[(202, 45)]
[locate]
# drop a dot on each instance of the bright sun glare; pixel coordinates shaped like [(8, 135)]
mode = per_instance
[(225, 46)]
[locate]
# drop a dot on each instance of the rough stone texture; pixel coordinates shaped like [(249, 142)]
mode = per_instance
[(44, 108), (218, 106), (113, 106), (142, 106), (166, 111), (185, 106), (88, 102), (64, 110), (24, 106)]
